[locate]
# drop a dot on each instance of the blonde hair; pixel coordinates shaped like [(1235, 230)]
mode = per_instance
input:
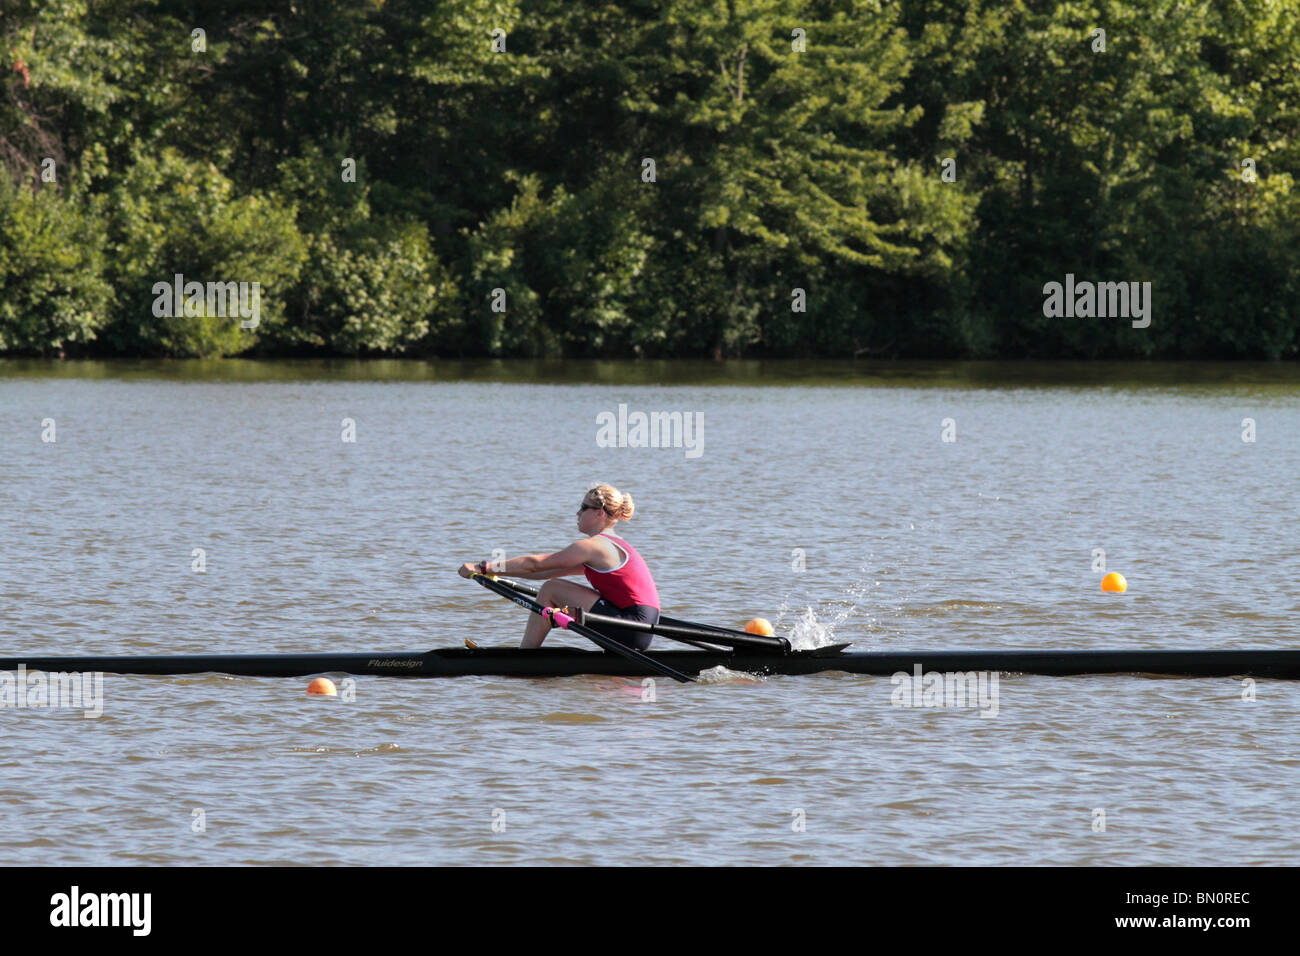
[(611, 501)]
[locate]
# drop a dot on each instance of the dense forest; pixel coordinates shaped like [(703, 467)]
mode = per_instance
[(622, 179)]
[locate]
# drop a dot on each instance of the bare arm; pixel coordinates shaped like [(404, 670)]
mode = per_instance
[(558, 564), (565, 573)]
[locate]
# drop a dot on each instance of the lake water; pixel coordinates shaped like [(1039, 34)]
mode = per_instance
[(820, 495)]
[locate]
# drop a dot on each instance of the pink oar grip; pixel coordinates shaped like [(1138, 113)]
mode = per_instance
[(559, 618)]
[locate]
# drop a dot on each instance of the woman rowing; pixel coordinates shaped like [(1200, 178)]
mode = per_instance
[(621, 585)]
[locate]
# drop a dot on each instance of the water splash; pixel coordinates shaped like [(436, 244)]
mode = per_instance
[(826, 625), (724, 675), (809, 632)]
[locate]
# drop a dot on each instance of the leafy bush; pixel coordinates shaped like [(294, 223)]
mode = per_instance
[(52, 293), (169, 216)]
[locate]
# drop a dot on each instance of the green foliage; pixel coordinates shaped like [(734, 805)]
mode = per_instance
[(580, 257), (370, 285), (52, 294), (776, 168), (1122, 164), (171, 216), (381, 292)]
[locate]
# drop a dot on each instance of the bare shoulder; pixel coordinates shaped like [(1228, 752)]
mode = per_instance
[(600, 551), (598, 544), (587, 548)]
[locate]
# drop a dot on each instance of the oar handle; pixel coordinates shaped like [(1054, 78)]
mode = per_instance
[(558, 617)]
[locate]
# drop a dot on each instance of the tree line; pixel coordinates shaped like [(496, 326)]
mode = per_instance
[(676, 178)]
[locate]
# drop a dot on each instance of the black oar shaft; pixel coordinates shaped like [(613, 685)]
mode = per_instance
[(609, 644), (673, 628), (677, 632)]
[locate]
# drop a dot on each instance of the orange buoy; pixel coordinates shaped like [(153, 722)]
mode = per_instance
[(322, 686), (1114, 582), (759, 625)]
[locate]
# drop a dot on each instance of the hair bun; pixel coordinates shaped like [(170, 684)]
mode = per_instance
[(612, 501)]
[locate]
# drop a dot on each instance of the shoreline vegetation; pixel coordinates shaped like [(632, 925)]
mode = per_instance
[(688, 180)]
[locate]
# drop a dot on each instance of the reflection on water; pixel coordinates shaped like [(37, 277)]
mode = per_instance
[(677, 372)]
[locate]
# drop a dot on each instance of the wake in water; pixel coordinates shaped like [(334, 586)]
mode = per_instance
[(725, 675)]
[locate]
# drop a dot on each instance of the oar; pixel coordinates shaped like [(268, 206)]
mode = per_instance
[(689, 635), (585, 617), (558, 617), (603, 620), (679, 630), (687, 632)]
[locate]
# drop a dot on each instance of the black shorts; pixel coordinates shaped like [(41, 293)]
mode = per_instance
[(638, 640)]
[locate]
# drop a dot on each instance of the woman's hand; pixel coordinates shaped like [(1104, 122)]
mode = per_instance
[(467, 570)]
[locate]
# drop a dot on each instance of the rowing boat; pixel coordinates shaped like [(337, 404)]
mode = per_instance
[(571, 662), (740, 651)]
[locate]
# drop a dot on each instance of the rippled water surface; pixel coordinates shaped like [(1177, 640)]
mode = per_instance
[(906, 542)]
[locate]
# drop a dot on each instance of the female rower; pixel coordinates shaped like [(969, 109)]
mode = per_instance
[(621, 585)]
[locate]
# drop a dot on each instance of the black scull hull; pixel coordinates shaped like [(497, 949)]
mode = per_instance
[(569, 662)]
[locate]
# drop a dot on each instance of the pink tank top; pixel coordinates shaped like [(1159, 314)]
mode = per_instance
[(629, 583)]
